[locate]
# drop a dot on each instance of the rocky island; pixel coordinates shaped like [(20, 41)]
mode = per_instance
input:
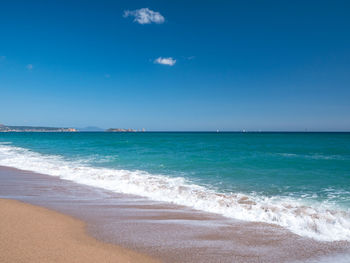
[(124, 130)]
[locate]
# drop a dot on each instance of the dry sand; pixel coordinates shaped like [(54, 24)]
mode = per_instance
[(34, 234)]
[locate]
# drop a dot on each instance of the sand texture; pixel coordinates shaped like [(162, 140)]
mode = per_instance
[(34, 234)]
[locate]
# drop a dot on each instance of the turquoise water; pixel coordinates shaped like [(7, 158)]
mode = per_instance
[(304, 169)]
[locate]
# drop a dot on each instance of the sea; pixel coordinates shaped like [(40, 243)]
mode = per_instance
[(299, 181)]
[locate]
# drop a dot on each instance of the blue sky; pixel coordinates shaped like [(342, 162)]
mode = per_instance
[(254, 65)]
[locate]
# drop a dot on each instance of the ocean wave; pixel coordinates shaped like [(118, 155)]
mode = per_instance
[(313, 156), (319, 222)]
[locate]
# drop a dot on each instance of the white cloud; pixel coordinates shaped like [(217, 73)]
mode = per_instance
[(145, 16), (165, 61), (29, 66)]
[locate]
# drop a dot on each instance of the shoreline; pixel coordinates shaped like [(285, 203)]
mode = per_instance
[(163, 231), (31, 233), (303, 212)]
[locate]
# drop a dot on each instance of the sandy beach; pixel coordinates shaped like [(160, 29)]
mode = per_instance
[(34, 234), (58, 220)]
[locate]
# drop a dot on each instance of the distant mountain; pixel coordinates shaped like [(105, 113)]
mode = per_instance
[(90, 129), (4, 128)]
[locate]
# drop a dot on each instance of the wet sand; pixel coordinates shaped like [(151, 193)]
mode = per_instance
[(34, 234), (161, 230)]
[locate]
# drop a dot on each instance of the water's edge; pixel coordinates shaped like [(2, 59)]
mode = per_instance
[(320, 223), (173, 233)]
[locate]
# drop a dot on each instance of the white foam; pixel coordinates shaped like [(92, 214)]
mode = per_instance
[(338, 258), (316, 222)]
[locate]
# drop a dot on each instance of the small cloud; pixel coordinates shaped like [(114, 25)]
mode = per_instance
[(165, 61), (145, 16), (29, 66), (191, 57), (2, 58), (107, 76)]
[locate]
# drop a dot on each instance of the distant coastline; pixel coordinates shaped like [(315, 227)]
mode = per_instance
[(8, 128), (4, 128)]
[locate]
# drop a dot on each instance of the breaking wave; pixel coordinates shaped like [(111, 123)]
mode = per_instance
[(316, 222)]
